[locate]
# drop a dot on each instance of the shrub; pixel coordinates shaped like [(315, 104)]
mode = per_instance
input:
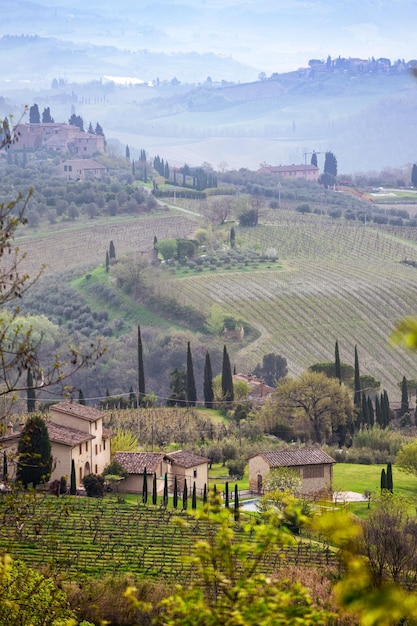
[(94, 485), (236, 467), (303, 208)]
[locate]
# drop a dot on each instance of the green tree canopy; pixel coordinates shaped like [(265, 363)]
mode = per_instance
[(34, 462)]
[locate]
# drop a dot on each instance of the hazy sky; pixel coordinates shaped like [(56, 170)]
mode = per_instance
[(270, 35)]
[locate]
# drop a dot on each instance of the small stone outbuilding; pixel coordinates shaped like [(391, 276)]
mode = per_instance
[(314, 465)]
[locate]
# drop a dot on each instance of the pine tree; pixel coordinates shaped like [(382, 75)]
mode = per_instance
[(141, 371), (389, 482), (337, 365), (208, 383), (34, 462), (236, 511), (383, 480), (31, 394), (357, 395), (112, 250), (175, 498), (404, 397), (81, 399), (73, 481), (145, 487), (227, 379), (330, 164), (194, 498), (154, 491), (191, 392)]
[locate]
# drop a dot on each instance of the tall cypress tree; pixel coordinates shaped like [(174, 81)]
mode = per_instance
[(383, 480), (390, 484), (208, 383), (337, 365), (154, 491), (73, 481), (236, 511), (175, 498), (185, 496), (112, 251), (357, 396), (227, 379), (371, 412), (107, 261), (378, 411), (205, 494), (194, 497), (404, 397), (226, 490), (31, 395), (145, 487), (414, 175), (165, 497), (364, 410), (81, 398), (34, 462), (141, 371), (191, 392)]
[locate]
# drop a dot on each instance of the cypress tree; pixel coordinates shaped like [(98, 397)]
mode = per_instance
[(404, 397), (227, 379), (205, 494), (81, 399), (414, 175), (357, 396), (112, 251), (185, 496), (383, 480), (191, 392), (226, 490), (31, 395), (378, 412), (175, 498), (371, 412), (141, 371), (127, 153), (236, 511), (390, 485), (145, 174), (194, 498), (208, 383), (73, 481), (364, 410), (232, 237), (145, 487), (133, 401), (165, 497), (5, 468), (107, 261), (337, 365), (34, 462), (154, 491)]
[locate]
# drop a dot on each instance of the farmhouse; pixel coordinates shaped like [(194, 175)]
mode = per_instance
[(59, 138), (259, 390), (180, 464), (76, 433), (314, 465), (82, 169), (309, 172)]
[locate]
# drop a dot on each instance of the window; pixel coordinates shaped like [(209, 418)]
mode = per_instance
[(313, 471), (104, 444), (96, 448), (194, 473), (81, 448), (86, 446), (81, 474), (95, 469)]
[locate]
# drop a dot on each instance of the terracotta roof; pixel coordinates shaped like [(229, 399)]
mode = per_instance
[(67, 436), (135, 462), (79, 410), (107, 433), (186, 459), (302, 456), (258, 388)]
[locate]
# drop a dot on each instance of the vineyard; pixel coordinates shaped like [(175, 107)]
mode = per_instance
[(90, 537), (335, 280)]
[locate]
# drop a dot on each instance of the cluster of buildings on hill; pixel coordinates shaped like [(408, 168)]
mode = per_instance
[(78, 436)]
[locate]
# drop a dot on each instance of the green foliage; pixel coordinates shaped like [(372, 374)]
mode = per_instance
[(228, 588), (115, 469), (274, 367), (94, 485), (407, 458), (283, 479), (34, 463), (168, 248), (28, 598), (123, 441)]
